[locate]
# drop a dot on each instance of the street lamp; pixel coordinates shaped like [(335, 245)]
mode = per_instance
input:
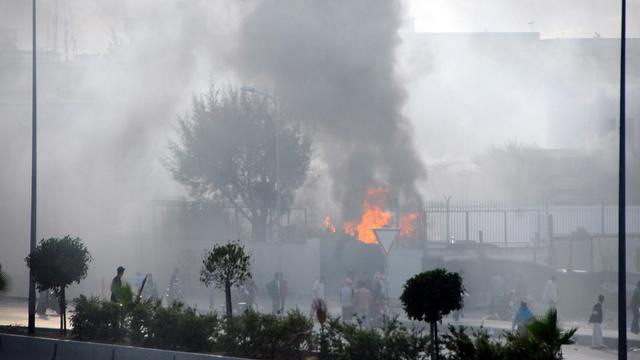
[(622, 229), (252, 89), (31, 328)]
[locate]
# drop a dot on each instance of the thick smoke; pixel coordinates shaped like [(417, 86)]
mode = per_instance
[(107, 105), (332, 66)]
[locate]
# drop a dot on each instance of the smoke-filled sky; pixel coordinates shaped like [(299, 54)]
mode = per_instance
[(570, 19), (373, 94)]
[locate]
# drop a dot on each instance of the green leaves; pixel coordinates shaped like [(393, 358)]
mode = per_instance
[(228, 148), (56, 263), (430, 295), (543, 340), (123, 294), (226, 264)]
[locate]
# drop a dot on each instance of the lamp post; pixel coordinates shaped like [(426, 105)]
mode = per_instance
[(252, 89), (32, 244), (622, 228)]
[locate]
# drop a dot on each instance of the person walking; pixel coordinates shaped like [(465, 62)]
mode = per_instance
[(317, 291), (273, 289), (551, 293), (278, 291), (284, 292), (116, 284), (346, 300), (150, 291), (596, 321), (362, 301), (635, 306), (522, 318)]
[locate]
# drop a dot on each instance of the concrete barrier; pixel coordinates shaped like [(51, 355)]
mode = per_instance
[(71, 350), (133, 353), (18, 347)]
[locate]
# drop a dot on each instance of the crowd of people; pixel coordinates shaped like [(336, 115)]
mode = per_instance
[(363, 299)]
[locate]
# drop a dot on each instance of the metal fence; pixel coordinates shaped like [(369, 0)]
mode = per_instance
[(507, 225), (438, 223)]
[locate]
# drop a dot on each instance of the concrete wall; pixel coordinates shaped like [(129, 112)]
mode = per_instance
[(17, 347)]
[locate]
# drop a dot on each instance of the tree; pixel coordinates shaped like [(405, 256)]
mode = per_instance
[(227, 150), (429, 296), (55, 264), (226, 266)]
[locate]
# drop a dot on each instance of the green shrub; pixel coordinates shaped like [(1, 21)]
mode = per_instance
[(140, 321), (479, 346), (339, 340), (265, 336), (181, 328), (95, 319), (543, 340)]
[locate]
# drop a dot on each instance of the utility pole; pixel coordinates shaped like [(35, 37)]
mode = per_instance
[(622, 226), (34, 161)]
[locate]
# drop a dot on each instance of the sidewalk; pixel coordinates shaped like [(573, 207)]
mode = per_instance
[(14, 311)]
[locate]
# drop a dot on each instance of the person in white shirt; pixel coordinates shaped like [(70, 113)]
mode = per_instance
[(346, 300), (318, 289), (551, 293)]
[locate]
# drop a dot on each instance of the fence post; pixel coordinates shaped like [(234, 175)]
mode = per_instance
[(466, 224), (448, 232), (505, 227)]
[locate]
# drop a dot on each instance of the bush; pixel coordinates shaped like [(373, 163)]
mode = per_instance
[(95, 319), (140, 321), (394, 341), (543, 340), (265, 336), (479, 346), (181, 328)]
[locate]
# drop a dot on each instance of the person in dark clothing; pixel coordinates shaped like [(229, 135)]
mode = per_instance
[(596, 321), (635, 305), (277, 290), (116, 284)]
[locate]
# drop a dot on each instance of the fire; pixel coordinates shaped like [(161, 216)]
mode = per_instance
[(373, 217), (328, 224), (408, 224)]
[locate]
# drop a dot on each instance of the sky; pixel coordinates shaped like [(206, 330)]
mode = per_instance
[(552, 18)]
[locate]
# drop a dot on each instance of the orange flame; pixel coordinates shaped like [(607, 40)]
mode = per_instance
[(373, 217), (408, 224), (328, 224)]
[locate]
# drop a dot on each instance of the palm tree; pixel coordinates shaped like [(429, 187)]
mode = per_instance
[(542, 340)]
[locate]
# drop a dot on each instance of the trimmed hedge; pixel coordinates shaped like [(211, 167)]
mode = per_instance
[(253, 335)]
